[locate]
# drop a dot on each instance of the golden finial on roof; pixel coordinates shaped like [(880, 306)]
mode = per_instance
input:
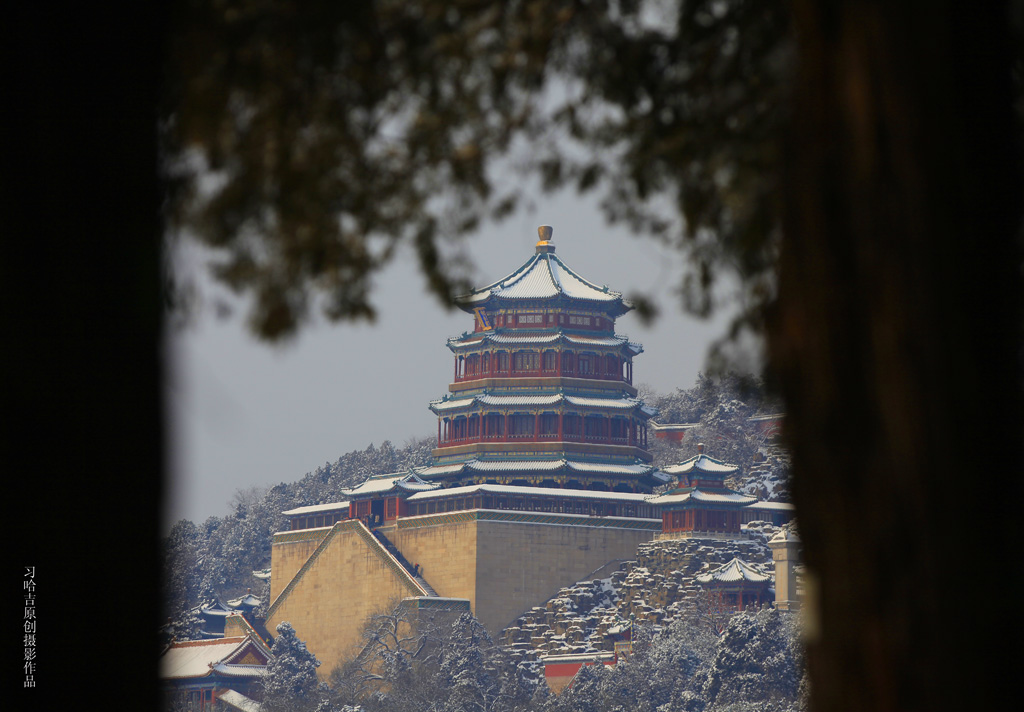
[(545, 232)]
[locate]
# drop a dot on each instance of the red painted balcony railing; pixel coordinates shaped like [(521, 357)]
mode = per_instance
[(539, 373)]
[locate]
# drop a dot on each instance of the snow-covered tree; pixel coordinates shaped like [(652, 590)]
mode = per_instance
[(586, 693), (291, 684), (758, 664), (462, 679)]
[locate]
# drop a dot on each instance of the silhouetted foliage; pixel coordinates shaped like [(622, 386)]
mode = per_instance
[(304, 145), (867, 150)]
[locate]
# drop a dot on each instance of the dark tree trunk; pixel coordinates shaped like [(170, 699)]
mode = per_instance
[(897, 341)]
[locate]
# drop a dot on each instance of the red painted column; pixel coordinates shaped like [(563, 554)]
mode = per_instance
[(439, 432)]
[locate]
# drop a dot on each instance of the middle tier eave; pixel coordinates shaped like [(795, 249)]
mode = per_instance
[(485, 401), (523, 448), (515, 384)]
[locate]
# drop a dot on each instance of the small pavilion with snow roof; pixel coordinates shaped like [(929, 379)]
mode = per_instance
[(199, 672), (701, 505), (737, 584)]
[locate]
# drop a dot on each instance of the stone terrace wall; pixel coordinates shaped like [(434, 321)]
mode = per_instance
[(656, 587)]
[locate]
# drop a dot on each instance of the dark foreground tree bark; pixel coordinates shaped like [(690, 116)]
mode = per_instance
[(897, 338)]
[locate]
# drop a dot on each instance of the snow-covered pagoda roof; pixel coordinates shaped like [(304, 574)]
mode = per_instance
[(544, 276), (248, 601), (623, 402), (735, 571), (217, 608), (703, 464), (406, 482), (535, 491), (199, 658), (536, 466), (699, 496), (472, 341), (237, 701), (774, 506), (316, 508), (784, 536), (671, 427)]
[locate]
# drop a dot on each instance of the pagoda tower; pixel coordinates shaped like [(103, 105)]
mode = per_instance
[(543, 389), (701, 505)]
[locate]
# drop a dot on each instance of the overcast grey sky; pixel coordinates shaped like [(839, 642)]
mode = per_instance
[(243, 413)]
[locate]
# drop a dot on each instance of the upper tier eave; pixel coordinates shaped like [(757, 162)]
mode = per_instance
[(540, 339), (545, 278)]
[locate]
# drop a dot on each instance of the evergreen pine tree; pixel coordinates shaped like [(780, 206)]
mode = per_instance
[(290, 684)]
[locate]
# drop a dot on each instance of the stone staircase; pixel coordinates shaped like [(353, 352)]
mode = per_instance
[(410, 569)]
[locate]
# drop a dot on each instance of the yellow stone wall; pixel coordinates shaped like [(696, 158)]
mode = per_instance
[(506, 568), (330, 603), (502, 568), (289, 552), (447, 556), (523, 565)]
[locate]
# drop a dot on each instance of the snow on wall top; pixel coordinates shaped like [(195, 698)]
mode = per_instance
[(314, 508), (535, 491)]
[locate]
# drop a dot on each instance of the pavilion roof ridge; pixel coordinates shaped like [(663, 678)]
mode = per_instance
[(734, 571), (543, 276), (703, 463)]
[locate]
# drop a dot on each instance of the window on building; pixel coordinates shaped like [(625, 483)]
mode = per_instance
[(594, 427), (584, 364), (550, 360), (549, 424), (611, 365), (527, 361), (521, 425), (567, 362)]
